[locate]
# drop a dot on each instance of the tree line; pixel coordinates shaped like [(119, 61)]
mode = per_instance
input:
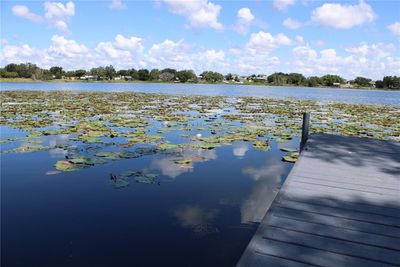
[(29, 70)]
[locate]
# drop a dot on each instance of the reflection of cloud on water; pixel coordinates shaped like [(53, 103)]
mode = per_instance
[(170, 168), (198, 219), (200, 154), (268, 180), (55, 140), (240, 149)]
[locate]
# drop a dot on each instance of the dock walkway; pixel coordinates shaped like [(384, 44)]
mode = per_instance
[(339, 206)]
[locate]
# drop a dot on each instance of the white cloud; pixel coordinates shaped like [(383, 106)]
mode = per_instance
[(67, 48), (117, 4), (282, 4), (244, 20), (373, 60), (395, 29), (370, 60), (291, 24), (199, 13), (132, 43), (23, 12), (20, 54), (56, 14), (265, 42), (343, 16)]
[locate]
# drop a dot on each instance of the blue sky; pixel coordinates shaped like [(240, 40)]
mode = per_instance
[(349, 38)]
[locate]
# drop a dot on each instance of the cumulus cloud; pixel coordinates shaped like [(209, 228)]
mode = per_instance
[(395, 29), (56, 14), (199, 13), (23, 12), (370, 60), (66, 48), (373, 60), (117, 4), (291, 24), (244, 20), (265, 42), (282, 4), (343, 16)]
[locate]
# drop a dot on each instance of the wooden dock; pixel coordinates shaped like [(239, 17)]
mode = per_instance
[(339, 206)]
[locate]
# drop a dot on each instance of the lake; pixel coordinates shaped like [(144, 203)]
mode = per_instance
[(322, 94), (91, 178)]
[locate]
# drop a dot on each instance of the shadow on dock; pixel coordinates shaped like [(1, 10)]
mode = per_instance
[(340, 206)]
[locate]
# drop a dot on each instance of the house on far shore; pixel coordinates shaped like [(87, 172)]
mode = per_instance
[(260, 78), (372, 84), (127, 78), (348, 84), (88, 77), (336, 84)]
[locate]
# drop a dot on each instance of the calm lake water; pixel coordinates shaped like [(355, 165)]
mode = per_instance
[(321, 94), (198, 215)]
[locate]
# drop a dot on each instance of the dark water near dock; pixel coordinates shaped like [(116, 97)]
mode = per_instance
[(203, 216), (384, 97)]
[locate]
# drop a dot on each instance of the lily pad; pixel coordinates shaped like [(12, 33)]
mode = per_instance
[(121, 183), (63, 165), (292, 158), (166, 146)]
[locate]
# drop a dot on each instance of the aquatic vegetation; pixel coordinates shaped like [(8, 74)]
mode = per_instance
[(141, 177), (292, 158), (28, 148), (64, 165), (92, 122), (8, 140)]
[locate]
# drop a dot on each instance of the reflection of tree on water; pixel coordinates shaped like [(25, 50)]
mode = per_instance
[(268, 179), (199, 220)]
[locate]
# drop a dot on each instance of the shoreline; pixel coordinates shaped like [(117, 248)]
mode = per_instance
[(27, 80)]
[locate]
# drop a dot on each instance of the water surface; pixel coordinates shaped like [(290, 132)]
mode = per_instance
[(322, 94)]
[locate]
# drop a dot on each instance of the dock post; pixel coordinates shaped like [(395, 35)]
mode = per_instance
[(304, 129)]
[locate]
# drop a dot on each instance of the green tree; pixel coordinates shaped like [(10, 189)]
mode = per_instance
[(329, 79), (57, 72), (154, 74), (229, 77), (379, 84), (186, 75), (313, 81), (173, 71), (123, 72), (278, 78), (143, 75), (296, 79), (391, 82), (79, 73), (110, 72), (362, 81), (212, 76)]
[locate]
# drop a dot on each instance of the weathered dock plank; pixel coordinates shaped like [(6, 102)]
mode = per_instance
[(339, 206)]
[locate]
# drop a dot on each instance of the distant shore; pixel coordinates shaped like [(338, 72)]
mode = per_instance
[(201, 82)]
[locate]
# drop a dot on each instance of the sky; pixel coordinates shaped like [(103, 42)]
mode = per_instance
[(348, 38)]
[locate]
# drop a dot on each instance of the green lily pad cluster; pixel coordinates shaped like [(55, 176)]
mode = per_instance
[(108, 126)]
